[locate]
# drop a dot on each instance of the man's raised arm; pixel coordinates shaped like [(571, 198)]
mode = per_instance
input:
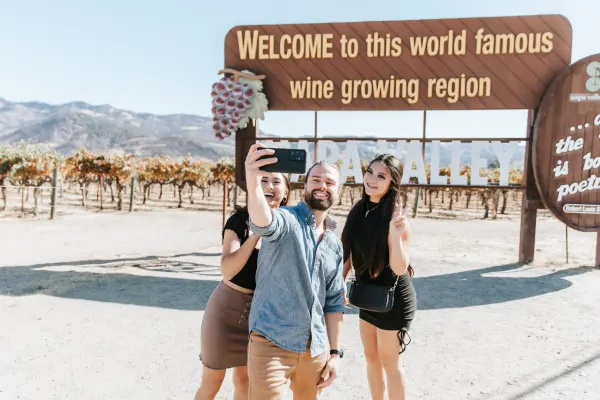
[(334, 318), (258, 208), (264, 221)]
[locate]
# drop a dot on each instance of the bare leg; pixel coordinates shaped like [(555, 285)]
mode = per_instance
[(240, 383), (368, 336), (389, 349), (212, 380)]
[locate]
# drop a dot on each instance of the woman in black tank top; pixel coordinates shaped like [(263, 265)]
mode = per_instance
[(224, 331), (374, 239)]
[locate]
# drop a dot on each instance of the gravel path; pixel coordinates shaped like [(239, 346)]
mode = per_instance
[(109, 306)]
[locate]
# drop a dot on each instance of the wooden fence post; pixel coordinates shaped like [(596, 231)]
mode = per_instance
[(415, 209), (597, 250), (224, 202), (54, 193), (131, 192), (235, 194), (100, 190)]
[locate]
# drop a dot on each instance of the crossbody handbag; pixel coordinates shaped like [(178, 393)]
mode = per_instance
[(372, 297)]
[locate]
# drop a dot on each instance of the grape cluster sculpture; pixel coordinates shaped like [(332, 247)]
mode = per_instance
[(236, 99)]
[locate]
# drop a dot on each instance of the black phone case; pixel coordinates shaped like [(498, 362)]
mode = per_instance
[(288, 161)]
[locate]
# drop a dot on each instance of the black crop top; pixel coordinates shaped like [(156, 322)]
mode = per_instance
[(238, 223), (364, 230)]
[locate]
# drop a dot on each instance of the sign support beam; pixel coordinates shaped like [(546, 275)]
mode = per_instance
[(530, 194)]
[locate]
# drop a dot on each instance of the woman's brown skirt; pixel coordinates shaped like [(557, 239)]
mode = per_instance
[(224, 332)]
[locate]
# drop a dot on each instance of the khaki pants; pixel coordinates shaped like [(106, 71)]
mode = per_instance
[(270, 367)]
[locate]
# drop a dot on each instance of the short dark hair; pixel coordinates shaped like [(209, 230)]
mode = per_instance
[(321, 162)]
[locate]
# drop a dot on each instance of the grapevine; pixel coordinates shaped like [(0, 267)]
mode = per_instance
[(32, 165), (224, 171), (27, 164)]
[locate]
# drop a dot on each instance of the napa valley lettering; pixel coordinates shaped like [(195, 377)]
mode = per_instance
[(411, 153), (252, 45)]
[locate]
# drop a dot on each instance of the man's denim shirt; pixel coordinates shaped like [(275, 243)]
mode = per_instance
[(297, 281)]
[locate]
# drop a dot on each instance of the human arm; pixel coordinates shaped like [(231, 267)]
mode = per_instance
[(398, 255), (347, 268), (234, 256), (407, 234), (345, 272), (333, 321), (334, 317), (334, 288), (264, 221), (334, 306), (258, 208)]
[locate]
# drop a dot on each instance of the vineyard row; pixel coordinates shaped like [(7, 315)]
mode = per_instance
[(33, 165)]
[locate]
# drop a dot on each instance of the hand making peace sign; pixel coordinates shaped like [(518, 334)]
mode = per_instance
[(399, 221)]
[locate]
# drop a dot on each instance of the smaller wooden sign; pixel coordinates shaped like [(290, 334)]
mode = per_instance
[(566, 146)]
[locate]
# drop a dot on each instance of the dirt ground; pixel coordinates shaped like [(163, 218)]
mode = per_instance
[(109, 306)]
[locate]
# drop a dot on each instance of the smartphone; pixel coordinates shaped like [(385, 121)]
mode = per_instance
[(288, 161)]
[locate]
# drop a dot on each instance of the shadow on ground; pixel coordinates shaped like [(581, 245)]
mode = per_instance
[(116, 287), (473, 288), (454, 290)]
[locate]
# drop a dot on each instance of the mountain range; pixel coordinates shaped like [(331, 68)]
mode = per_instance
[(100, 128)]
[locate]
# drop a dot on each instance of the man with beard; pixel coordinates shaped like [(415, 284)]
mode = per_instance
[(298, 304)]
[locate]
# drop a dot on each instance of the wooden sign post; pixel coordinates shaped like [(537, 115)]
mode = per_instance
[(531, 200), (448, 64)]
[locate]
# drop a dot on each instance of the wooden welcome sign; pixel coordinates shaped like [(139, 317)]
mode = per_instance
[(446, 64), (566, 146)]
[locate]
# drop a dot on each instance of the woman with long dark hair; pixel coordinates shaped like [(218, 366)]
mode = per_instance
[(374, 239), (224, 332)]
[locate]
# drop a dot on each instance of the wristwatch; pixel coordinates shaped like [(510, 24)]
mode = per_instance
[(338, 352)]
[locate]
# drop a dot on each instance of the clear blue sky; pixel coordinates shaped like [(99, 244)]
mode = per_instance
[(163, 56)]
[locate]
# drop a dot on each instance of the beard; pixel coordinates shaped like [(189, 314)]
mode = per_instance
[(318, 204)]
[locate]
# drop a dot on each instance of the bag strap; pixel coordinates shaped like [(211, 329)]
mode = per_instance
[(393, 288)]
